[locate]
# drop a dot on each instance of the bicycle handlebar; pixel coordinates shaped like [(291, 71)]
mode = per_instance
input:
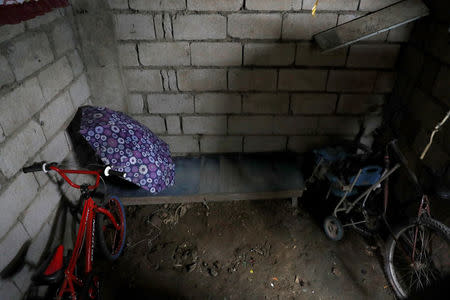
[(39, 166), (45, 167)]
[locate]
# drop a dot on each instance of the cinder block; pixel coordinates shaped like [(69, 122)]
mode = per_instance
[(2, 139), (303, 26), (216, 54), (302, 144), (135, 104), (159, 25), (15, 198), (22, 280), (154, 123), (40, 209), (11, 244), (45, 19), (128, 55), (19, 105), (331, 4), (220, 144), (254, 26), (76, 63), (157, 5), (269, 54), (199, 27), (79, 91), (143, 80), (28, 54), (264, 143), (202, 79), (250, 125), (8, 290), (216, 103), (400, 34), (441, 88), (38, 244), (182, 144), (351, 81), (134, 27), (302, 80), (173, 125), (370, 5), (214, 5), (360, 103), (55, 78), (167, 27), (170, 103), (20, 147), (164, 54), (53, 117), (118, 4), (63, 39), (7, 32), (252, 80), (6, 75), (57, 149), (272, 5), (266, 103), (205, 125), (338, 125), (294, 125), (385, 82), (313, 103), (373, 55), (309, 54), (344, 18)]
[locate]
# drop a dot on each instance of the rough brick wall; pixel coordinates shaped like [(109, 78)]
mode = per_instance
[(421, 98), (234, 75), (42, 82)]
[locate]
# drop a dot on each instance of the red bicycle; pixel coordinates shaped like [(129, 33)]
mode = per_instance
[(108, 219)]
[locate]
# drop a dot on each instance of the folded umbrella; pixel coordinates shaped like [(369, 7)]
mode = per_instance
[(129, 147)]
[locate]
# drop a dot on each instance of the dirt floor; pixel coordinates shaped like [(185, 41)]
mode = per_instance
[(240, 250)]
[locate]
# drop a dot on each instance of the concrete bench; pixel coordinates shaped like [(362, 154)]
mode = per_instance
[(225, 178)]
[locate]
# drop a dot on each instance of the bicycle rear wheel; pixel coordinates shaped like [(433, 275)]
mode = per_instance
[(430, 265), (110, 240)]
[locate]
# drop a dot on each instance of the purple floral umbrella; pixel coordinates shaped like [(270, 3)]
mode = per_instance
[(128, 147)]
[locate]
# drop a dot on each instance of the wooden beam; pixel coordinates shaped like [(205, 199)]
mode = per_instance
[(212, 197), (372, 24)]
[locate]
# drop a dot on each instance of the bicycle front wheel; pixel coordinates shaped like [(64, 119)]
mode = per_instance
[(418, 257), (111, 240)]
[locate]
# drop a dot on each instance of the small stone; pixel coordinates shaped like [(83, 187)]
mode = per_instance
[(191, 267), (297, 280), (213, 272)]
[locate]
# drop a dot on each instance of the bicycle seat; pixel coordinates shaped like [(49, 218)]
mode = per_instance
[(52, 268)]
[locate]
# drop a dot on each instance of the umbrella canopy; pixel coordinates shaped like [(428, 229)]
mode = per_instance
[(128, 147)]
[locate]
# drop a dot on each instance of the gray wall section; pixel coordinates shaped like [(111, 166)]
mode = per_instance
[(95, 28), (420, 100), (42, 83), (244, 76)]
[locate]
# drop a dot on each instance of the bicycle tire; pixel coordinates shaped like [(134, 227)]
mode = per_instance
[(392, 272), (104, 229)]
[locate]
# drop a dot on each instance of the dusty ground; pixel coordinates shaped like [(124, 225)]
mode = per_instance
[(239, 250)]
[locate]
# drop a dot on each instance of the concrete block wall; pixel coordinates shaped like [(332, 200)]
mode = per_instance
[(245, 76), (42, 83), (421, 96)]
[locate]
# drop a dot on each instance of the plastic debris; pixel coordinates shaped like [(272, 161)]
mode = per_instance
[(251, 271)]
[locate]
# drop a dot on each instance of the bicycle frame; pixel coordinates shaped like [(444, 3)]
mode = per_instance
[(86, 231)]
